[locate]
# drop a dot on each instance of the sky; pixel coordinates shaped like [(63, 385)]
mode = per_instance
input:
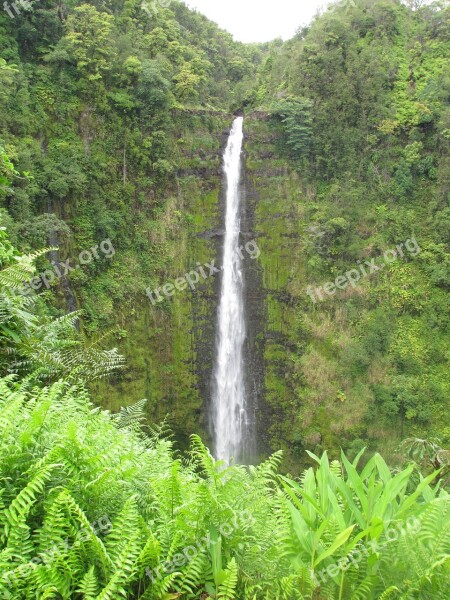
[(259, 20)]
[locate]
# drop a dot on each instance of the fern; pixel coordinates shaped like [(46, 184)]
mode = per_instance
[(124, 527), (161, 591), (364, 589), (16, 513), (88, 586), (123, 573), (65, 464), (41, 347), (131, 417), (193, 576), (227, 589)]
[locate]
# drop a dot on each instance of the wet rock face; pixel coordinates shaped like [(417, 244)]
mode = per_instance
[(170, 348), (271, 205), (187, 396), (205, 309), (254, 303), (204, 315)]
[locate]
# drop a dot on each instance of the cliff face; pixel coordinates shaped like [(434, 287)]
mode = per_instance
[(271, 194), (170, 345), (316, 373), (126, 146)]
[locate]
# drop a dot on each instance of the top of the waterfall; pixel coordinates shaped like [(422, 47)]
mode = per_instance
[(237, 124)]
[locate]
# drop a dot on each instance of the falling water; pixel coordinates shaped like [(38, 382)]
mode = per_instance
[(229, 406)]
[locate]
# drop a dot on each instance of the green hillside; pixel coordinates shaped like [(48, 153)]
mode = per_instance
[(115, 116)]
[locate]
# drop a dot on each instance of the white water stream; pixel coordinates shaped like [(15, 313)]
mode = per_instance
[(229, 409)]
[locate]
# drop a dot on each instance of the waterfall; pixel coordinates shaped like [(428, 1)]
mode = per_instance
[(230, 421)]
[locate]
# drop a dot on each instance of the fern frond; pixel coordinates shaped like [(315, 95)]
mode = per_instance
[(88, 585), (193, 576), (125, 526), (391, 593), (125, 569), (227, 589), (16, 513), (131, 417)]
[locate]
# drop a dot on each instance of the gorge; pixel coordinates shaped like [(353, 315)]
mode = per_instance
[(334, 174), (224, 308)]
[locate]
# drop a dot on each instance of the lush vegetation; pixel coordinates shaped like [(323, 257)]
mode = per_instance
[(111, 134), (102, 109), (113, 118), (353, 163), (113, 123), (95, 505), (91, 508)]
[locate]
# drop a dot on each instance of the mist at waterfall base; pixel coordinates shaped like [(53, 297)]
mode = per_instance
[(229, 412)]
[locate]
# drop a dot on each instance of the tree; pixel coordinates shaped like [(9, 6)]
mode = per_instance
[(295, 115), (88, 40), (187, 83)]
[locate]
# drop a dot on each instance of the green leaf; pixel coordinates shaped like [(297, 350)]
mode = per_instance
[(338, 542)]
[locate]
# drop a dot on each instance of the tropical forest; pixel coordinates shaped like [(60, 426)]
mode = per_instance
[(224, 302)]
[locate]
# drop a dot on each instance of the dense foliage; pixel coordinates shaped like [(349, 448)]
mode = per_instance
[(104, 106), (112, 118), (95, 505), (111, 130), (360, 138), (33, 343), (92, 508), (110, 149)]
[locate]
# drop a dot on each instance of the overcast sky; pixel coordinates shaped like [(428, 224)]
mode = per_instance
[(259, 20)]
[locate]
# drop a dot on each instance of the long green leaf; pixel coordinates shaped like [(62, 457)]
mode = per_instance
[(338, 542)]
